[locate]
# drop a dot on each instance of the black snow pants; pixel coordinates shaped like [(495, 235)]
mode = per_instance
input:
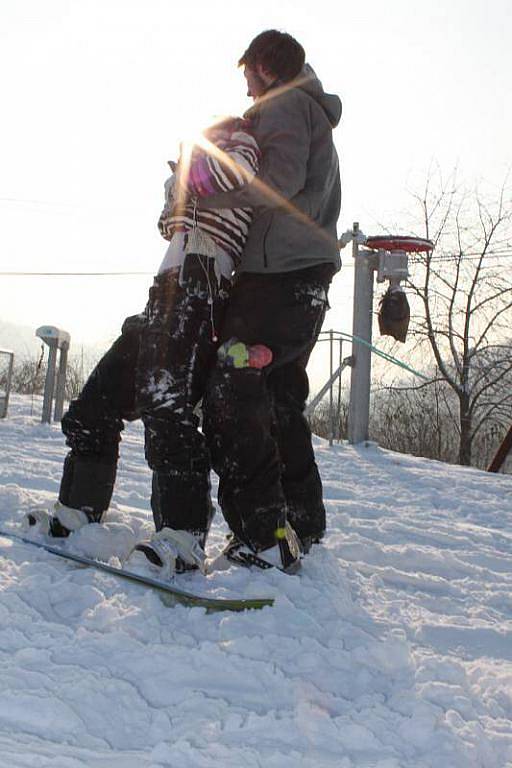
[(259, 439), (156, 370)]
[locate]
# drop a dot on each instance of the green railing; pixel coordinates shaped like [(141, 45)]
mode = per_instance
[(339, 337)]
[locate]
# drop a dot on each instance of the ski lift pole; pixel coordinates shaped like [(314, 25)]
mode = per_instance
[(340, 362), (331, 404), (4, 398), (387, 256), (49, 385), (56, 340), (61, 382), (359, 409)]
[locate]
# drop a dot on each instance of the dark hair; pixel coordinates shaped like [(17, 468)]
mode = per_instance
[(277, 52)]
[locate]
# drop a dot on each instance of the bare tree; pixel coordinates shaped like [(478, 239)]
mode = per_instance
[(464, 303), (320, 419), (78, 369), (28, 375)]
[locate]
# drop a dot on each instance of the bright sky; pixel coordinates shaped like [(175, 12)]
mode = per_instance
[(96, 95)]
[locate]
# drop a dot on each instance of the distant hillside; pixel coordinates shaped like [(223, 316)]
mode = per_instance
[(22, 340)]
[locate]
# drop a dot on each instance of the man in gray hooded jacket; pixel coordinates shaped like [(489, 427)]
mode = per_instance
[(270, 490)]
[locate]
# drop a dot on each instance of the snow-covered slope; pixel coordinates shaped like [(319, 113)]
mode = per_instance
[(392, 649)]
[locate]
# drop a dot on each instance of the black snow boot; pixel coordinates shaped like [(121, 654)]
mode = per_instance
[(85, 492), (284, 555)]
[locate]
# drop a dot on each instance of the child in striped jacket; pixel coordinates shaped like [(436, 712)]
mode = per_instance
[(157, 369), (226, 159)]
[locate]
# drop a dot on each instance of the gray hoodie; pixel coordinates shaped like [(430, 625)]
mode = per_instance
[(296, 195)]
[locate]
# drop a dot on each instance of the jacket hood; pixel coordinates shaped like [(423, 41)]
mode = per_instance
[(330, 103)]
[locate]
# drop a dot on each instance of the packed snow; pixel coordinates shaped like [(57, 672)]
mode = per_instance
[(391, 649)]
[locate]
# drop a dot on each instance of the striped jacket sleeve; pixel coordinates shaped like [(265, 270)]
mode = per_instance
[(229, 164)]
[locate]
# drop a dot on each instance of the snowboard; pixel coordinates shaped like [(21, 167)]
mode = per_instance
[(170, 594)]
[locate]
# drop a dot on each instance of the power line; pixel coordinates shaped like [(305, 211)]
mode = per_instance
[(72, 274), (464, 258), (346, 265), (51, 207), (21, 201)]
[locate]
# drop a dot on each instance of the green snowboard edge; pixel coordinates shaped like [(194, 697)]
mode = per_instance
[(174, 595)]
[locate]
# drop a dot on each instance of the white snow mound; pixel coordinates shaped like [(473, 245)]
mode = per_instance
[(391, 649)]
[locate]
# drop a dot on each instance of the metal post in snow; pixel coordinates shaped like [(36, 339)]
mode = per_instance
[(359, 409), (340, 361), (56, 339), (49, 386), (4, 400), (61, 383), (331, 406)]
